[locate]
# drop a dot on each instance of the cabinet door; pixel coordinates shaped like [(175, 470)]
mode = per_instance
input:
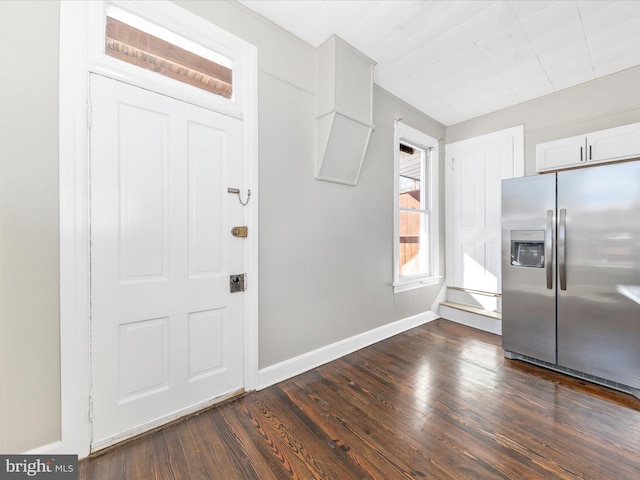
[(614, 143), (562, 153)]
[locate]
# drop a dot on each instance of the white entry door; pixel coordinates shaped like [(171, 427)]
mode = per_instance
[(166, 334), (475, 170)]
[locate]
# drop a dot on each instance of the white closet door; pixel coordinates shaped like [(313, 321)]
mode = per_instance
[(475, 170)]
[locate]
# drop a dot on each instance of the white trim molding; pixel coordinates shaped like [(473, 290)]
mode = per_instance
[(430, 183), (81, 40), (74, 230), (474, 320), (54, 448), (307, 361)]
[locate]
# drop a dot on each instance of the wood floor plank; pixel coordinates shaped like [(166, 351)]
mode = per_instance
[(349, 431), (230, 453), (321, 447), (437, 402), (423, 429), (384, 427), (422, 432)]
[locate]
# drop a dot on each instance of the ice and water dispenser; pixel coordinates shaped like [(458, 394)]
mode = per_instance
[(527, 248)]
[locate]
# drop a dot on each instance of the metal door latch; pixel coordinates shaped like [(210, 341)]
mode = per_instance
[(237, 283), (241, 232), (236, 191)]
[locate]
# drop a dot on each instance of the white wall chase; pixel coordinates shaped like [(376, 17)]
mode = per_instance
[(345, 111)]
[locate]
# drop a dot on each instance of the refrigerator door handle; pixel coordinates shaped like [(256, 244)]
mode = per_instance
[(548, 249), (562, 254)]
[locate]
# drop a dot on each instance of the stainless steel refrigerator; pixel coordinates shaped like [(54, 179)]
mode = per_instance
[(571, 272)]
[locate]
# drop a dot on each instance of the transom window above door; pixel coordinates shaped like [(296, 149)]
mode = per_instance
[(166, 53)]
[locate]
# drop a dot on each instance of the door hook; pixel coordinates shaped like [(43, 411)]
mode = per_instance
[(237, 192)]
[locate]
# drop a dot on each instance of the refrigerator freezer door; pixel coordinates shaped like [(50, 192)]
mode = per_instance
[(528, 288), (598, 326)]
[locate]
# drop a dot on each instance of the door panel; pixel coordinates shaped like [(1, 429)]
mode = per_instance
[(144, 358), (206, 358), (598, 327), (206, 152), (142, 182), (166, 334)]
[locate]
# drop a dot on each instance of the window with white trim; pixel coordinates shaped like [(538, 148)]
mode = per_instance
[(416, 249)]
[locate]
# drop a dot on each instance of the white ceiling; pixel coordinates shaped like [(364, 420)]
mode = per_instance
[(456, 60)]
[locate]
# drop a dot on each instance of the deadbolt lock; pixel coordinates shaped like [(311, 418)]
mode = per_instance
[(241, 232)]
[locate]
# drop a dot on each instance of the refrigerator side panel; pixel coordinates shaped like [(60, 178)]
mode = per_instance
[(528, 274), (598, 319)]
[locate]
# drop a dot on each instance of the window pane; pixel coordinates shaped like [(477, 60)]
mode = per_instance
[(126, 43), (410, 175), (413, 248)]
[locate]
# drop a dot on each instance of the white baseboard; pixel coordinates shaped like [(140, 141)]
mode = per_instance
[(53, 448), (473, 299), (302, 363), (491, 325)]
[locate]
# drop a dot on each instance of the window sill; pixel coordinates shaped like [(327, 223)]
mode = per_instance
[(416, 283)]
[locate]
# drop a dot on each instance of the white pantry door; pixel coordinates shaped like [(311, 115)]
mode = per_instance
[(166, 334)]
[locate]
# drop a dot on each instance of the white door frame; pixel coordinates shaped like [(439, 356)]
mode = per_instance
[(81, 37)]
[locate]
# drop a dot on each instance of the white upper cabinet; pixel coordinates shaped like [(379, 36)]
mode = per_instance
[(597, 147), (563, 153), (614, 143)]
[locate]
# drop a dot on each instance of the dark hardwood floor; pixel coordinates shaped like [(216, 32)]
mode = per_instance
[(436, 402)]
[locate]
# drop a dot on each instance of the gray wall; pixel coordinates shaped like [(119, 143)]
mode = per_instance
[(606, 102), (325, 249), (29, 274)]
